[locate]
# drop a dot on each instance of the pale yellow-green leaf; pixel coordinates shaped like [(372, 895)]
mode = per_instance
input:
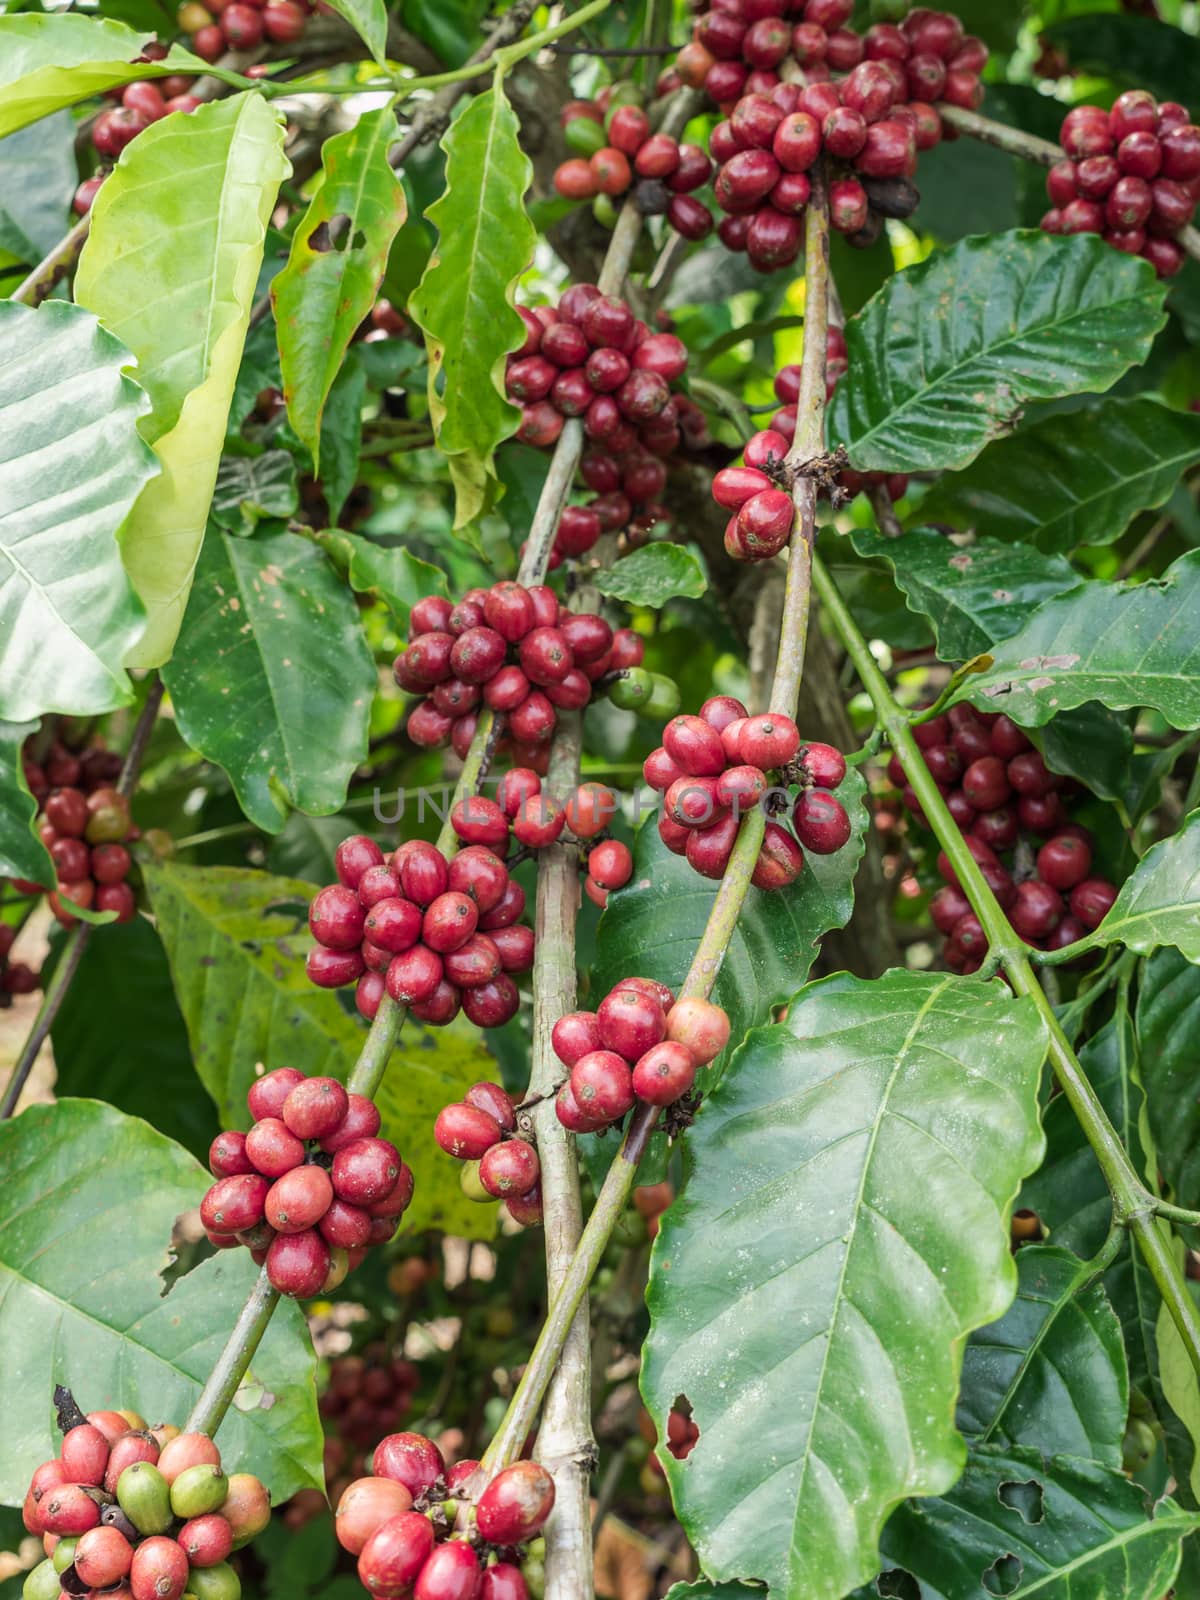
[(171, 266)]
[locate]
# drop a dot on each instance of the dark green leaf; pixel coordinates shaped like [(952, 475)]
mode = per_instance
[(449, 27), (1020, 1526), (236, 942), (273, 678), (464, 302), (1072, 479), (712, 1591), (1092, 744), (974, 594), (134, 1056), (1051, 1374), (22, 853), (1136, 50), (1168, 1025), (37, 179), (653, 575), (945, 356), (184, 312), (653, 926), (1160, 903), (251, 487), (337, 260), (893, 1121), (341, 433), (86, 1208), (68, 614), (392, 572), (1123, 644)]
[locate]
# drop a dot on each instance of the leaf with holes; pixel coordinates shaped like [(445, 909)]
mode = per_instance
[(48, 62), (1051, 1374), (652, 927), (273, 678), (1168, 1025), (184, 313), (391, 572), (464, 302), (813, 1306), (973, 594), (337, 260), (1159, 904), (1072, 478), (236, 941), (22, 853), (1124, 644), (71, 466), (1020, 1526), (945, 356), (81, 1296), (654, 575)]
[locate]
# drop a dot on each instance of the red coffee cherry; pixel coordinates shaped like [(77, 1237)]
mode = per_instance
[(362, 1121), (159, 1570), (205, 1540), (509, 1168), (336, 918), (515, 1505), (630, 1022), (449, 922), (821, 823), (234, 1204), (1091, 901), (365, 1171), (780, 859), (503, 1581), (768, 741), (298, 1263), (412, 978), (610, 865), (466, 1131), (364, 1507), (1037, 909), (410, 1459), (392, 1558), (298, 1200), (664, 1073), (315, 1107), (103, 1557), (1064, 862), (84, 1455)]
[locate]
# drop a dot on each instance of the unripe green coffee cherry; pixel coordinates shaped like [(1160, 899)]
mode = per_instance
[(42, 1583), (664, 698), (604, 208), (632, 689), (469, 1180), (1138, 1446), (214, 1583), (64, 1554), (583, 136), (144, 1495), (198, 1490)]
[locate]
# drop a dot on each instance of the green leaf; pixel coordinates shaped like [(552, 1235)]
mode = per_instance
[(48, 62), (1072, 478), (22, 853), (341, 433), (330, 283), (1021, 1526), (369, 20), (236, 942), (71, 466), (251, 487), (973, 594), (653, 575), (143, 1068), (1159, 903), (893, 1119), (1168, 1025), (1092, 744), (273, 679), (712, 1591), (1051, 1374), (653, 926), (86, 1208), (184, 313), (38, 176), (1124, 644), (465, 302), (1137, 50), (392, 572), (945, 356)]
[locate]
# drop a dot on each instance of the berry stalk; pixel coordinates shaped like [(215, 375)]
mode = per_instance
[(1134, 1207), (614, 1195)]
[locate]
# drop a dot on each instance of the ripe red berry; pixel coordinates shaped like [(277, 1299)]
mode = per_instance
[(601, 1085), (780, 859), (336, 918), (273, 1148), (364, 1507), (821, 823), (315, 1107), (509, 1168), (948, 907), (159, 1570), (1064, 862), (630, 1022), (234, 1204), (298, 1199), (768, 741), (298, 1263), (366, 1171), (412, 977), (695, 746), (824, 765), (84, 1454), (503, 1581), (466, 1131), (1092, 900), (985, 783), (1037, 909), (392, 1557), (410, 1459), (227, 1156), (848, 205), (610, 865), (205, 1540), (103, 1557), (515, 1505), (664, 1073)]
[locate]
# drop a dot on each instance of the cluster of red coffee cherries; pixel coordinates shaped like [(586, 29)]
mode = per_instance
[(639, 1044), (713, 768), (537, 819), (1131, 174), (434, 934), (220, 25), (870, 124), (400, 1524), (620, 151), (132, 1511), (1004, 799), (310, 1187), (366, 1392), (513, 649), (137, 106), (481, 1130)]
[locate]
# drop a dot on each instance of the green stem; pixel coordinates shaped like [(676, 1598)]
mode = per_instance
[(1133, 1205), (223, 1381)]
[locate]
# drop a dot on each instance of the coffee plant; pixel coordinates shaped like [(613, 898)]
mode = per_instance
[(599, 800)]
